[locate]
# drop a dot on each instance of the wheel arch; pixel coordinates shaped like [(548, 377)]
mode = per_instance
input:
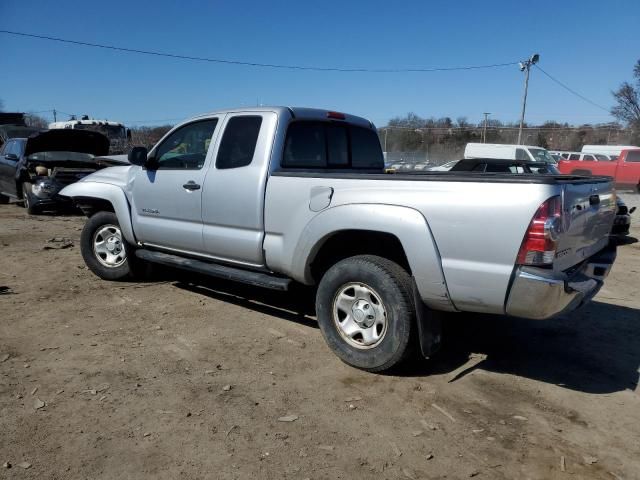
[(400, 234), (93, 197)]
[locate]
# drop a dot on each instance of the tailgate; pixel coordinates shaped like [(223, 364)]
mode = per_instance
[(588, 214)]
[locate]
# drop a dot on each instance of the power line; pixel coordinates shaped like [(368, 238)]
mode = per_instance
[(256, 64), (570, 90)]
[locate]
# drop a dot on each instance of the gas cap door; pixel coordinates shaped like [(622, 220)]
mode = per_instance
[(320, 198)]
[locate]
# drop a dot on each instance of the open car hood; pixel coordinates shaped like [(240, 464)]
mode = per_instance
[(67, 140)]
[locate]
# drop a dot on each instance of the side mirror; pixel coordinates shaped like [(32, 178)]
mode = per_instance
[(632, 209), (11, 156), (138, 156)]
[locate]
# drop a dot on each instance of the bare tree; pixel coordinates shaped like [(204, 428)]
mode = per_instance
[(628, 100), (36, 121)]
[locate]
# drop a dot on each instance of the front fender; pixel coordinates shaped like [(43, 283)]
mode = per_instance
[(110, 193), (407, 224)]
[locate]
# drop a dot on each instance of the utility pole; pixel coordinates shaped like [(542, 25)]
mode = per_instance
[(385, 139), (525, 67), (55, 115), (484, 130)]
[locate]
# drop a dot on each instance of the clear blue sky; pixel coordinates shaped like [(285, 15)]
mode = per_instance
[(589, 45)]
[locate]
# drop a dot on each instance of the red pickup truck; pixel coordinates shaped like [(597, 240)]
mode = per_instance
[(625, 169)]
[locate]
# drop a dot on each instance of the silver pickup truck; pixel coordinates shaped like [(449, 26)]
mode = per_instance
[(271, 196)]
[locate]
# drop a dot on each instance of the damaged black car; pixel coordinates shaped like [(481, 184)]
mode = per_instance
[(34, 169)]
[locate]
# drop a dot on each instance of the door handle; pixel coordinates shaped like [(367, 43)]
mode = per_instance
[(191, 185)]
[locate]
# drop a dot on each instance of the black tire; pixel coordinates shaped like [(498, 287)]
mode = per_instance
[(130, 268), (28, 200), (393, 285)]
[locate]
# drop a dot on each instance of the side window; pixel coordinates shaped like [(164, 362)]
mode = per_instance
[(479, 167), (564, 155), (521, 154), (574, 156), (588, 158), (633, 156), (239, 142), (602, 158), (186, 148)]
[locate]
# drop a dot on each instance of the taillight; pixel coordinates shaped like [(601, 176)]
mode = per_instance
[(336, 115), (541, 240)]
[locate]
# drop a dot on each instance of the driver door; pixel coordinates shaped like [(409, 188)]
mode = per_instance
[(167, 199)]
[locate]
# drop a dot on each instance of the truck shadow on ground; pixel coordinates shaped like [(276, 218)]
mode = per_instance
[(594, 350)]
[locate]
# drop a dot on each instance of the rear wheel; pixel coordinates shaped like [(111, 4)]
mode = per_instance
[(365, 312), (104, 249)]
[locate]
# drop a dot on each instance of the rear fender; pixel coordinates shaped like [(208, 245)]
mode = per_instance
[(407, 224), (106, 192)]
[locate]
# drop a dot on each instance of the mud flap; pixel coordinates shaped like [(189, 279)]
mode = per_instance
[(429, 325)]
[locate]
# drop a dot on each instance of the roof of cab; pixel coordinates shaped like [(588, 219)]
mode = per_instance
[(293, 112)]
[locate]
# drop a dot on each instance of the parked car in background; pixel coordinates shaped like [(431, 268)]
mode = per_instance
[(613, 151), (445, 167), (116, 132), (496, 165), (581, 156), (272, 195), (34, 169), (625, 169), (511, 152), (622, 220)]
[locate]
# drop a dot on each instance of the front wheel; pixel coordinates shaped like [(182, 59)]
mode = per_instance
[(104, 249), (365, 312), (28, 201)]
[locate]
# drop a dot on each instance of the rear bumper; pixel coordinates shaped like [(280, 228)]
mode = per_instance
[(540, 294)]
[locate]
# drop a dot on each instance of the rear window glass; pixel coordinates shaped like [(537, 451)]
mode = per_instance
[(331, 145), (574, 156), (365, 148), (238, 142)]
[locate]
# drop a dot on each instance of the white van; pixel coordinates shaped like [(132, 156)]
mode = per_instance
[(507, 152)]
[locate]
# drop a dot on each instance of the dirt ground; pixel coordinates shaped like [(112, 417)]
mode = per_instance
[(184, 377)]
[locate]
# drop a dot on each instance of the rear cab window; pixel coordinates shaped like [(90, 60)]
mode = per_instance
[(239, 140), (331, 145)]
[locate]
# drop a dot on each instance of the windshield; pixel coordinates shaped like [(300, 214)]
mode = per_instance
[(111, 131), (541, 155)]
